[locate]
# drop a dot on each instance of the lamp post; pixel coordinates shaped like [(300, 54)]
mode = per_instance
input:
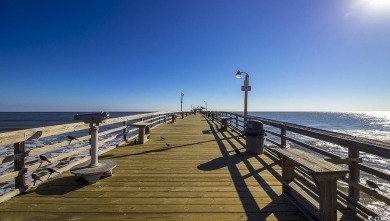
[(205, 102), (191, 107), (181, 106), (246, 87)]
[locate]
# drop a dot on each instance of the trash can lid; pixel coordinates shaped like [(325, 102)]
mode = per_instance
[(254, 124)]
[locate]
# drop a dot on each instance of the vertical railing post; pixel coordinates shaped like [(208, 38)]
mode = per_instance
[(237, 122), (283, 141), (354, 175), (125, 131), (19, 164)]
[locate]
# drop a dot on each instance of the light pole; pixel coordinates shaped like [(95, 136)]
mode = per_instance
[(181, 106), (191, 107), (246, 87), (205, 104)]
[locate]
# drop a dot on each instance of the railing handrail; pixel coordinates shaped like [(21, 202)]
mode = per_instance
[(41, 132), (371, 146)]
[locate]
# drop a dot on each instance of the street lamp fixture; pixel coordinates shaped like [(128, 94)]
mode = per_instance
[(246, 87)]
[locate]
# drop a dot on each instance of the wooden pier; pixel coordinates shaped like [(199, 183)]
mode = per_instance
[(191, 174)]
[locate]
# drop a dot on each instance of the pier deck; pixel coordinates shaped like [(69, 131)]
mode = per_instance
[(197, 177)]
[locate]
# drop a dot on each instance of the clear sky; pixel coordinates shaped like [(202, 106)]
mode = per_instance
[(140, 55)]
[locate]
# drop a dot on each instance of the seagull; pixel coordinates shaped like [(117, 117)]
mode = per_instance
[(51, 170), (372, 184), (36, 177), (238, 152), (167, 144), (44, 158), (162, 138)]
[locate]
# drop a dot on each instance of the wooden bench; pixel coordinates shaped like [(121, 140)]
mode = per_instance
[(143, 131), (173, 116), (325, 175)]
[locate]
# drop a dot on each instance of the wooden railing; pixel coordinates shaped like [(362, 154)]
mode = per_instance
[(22, 170), (354, 147)]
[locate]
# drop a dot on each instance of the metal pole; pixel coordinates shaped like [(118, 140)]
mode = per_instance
[(181, 106), (94, 146), (246, 84)]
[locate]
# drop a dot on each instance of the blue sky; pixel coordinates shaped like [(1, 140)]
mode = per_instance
[(140, 55)]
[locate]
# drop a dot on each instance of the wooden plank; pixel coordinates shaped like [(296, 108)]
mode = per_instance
[(156, 216)]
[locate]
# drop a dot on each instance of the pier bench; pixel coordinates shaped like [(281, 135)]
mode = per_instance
[(173, 116), (325, 175), (143, 131)]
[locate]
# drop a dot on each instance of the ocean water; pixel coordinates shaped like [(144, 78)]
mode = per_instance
[(372, 125)]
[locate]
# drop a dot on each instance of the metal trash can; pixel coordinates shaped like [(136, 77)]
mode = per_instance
[(254, 134)]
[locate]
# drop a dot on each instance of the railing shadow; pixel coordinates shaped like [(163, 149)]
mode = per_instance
[(60, 186), (253, 209)]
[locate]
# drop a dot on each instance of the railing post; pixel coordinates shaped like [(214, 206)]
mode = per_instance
[(20, 180), (125, 131), (283, 141), (354, 175), (237, 122)]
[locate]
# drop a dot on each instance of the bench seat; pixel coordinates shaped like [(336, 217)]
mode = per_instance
[(324, 173)]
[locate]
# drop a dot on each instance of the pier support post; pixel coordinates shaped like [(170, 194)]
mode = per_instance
[(354, 175), (283, 142), (19, 164), (125, 131), (94, 146)]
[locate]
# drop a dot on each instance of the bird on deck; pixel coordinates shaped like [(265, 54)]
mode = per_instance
[(162, 138), (51, 170), (167, 144), (238, 152), (372, 185), (44, 158), (71, 138), (36, 177)]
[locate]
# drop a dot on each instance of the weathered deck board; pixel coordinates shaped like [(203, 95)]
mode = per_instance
[(198, 177)]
